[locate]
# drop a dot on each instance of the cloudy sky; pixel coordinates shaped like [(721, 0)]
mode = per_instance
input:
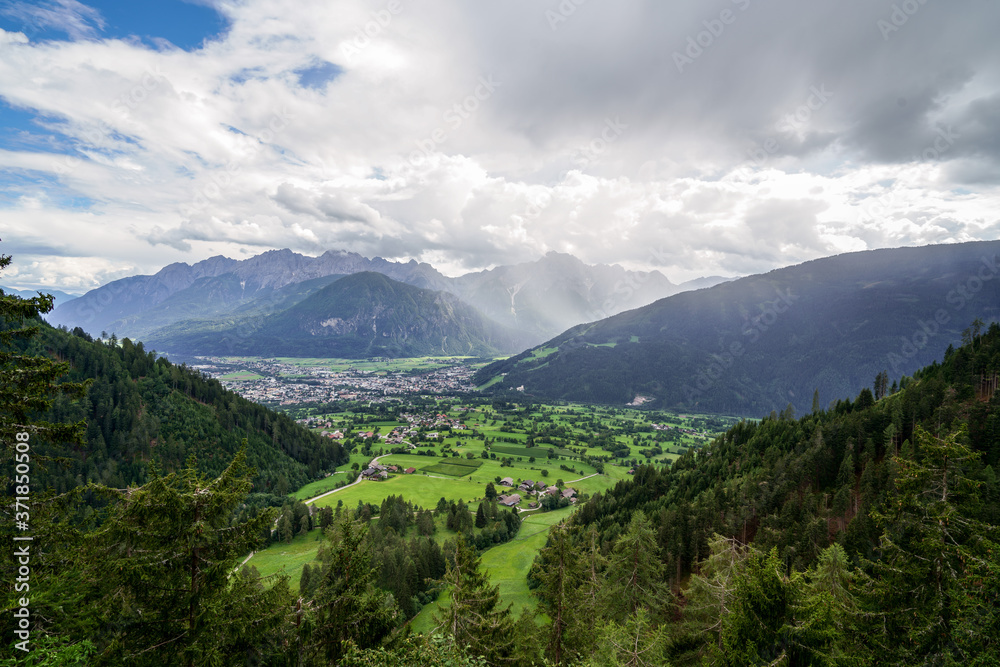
[(697, 137)]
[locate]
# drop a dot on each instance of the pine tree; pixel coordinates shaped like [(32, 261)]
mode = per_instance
[(634, 577), (475, 618), (752, 631), (163, 560), (480, 517), (559, 574), (28, 383), (933, 590), (348, 606)]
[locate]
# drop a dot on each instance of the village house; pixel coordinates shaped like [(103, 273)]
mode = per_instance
[(511, 500), (552, 490), (410, 471), (527, 485), (507, 481)]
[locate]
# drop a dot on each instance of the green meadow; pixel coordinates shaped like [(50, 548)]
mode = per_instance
[(492, 444)]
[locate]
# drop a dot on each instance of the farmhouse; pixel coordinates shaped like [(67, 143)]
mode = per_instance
[(527, 485), (410, 471), (552, 490), (569, 493), (507, 481), (511, 500)]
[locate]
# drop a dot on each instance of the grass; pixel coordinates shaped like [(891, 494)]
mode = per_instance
[(288, 558), (508, 566), (323, 485), (419, 489), (455, 467)]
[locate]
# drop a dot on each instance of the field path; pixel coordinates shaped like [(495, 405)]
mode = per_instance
[(346, 486), (583, 478)]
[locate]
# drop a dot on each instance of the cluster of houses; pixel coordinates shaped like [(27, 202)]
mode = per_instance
[(668, 427), (533, 489), (377, 471)]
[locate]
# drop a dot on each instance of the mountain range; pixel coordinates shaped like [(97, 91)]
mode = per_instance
[(537, 299), (762, 342)]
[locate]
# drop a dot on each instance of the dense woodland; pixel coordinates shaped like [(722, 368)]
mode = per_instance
[(140, 409), (859, 534)]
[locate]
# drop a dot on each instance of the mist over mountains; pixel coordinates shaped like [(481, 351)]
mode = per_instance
[(537, 299), (762, 342)]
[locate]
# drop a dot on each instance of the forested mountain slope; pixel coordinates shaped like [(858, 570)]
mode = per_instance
[(759, 343), (140, 409), (860, 534)]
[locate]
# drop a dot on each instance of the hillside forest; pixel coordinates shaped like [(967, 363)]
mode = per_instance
[(863, 533)]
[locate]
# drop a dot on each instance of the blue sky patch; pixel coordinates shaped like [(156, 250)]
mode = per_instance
[(318, 75), (186, 25)]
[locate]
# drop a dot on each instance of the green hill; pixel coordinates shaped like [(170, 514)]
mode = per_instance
[(140, 409)]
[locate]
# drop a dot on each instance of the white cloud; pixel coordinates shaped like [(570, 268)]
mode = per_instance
[(475, 135)]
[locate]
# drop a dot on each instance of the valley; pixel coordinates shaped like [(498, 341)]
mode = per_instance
[(467, 451)]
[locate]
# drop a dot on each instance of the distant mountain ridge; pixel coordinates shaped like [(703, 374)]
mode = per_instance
[(540, 298), (762, 342), (365, 314)]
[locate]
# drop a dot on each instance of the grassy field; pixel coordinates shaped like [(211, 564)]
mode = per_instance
[(282, 558), (419, 489), (454, 467), (628, 431), (313, 489), (381, 366), (508, 566)]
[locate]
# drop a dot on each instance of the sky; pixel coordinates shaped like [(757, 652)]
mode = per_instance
[(722, 137)]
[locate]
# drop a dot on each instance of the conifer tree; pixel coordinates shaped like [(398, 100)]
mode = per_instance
[(475, 618), (932, 592), (163, 560), (634, 577), (348, 606), (559, 574), (29, 383)]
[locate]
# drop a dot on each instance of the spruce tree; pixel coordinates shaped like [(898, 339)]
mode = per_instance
[(29, 383), (163, 560), (349, 608), (634, 577), (475, 618)]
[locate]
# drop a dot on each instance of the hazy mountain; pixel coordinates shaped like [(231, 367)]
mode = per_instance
[(540, 298), (702, 283), (761, 342), (559, 291), (60, 297), (361, 315), (130, 306)]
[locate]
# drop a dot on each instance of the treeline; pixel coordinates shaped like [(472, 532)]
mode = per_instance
[(865, 533), (140, 409)]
